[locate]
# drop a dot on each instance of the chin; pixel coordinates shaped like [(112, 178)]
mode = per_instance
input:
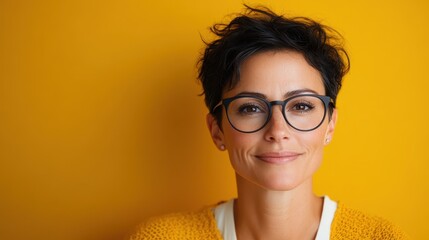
[(279, 183), (281, 186), (273, 180)]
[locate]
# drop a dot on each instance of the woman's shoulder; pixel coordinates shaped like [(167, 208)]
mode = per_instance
[(185, 225), (351, 223)]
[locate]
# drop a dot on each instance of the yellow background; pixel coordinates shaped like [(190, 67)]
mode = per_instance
[(101, 125)]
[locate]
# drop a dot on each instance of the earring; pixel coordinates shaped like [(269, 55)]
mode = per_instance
[(327, 140), (222, 147)]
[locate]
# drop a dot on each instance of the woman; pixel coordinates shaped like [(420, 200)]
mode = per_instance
[(271, 85)]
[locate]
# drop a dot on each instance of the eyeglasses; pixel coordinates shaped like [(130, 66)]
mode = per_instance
[(248, 114)]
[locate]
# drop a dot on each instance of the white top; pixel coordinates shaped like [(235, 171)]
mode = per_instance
[(224, 215)]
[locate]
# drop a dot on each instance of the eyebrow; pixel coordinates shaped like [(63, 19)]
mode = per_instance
[(286, 95), (299, 91)]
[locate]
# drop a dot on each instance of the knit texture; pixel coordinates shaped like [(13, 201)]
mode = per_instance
[(347, 224), (191, 225), (353, 224)]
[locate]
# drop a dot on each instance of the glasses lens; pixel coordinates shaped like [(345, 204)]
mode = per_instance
[(305, 112), (248, 114)]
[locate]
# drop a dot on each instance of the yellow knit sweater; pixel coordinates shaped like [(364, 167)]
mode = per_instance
[(347, 224)]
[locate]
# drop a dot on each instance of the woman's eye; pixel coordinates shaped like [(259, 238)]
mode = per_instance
[(249, 109), (302, 107)]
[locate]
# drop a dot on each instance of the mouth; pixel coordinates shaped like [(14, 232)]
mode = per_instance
[(278, 157)]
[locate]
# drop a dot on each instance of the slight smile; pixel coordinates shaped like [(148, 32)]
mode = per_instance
[(278, 157)]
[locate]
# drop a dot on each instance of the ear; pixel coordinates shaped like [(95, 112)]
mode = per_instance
[(331, 127), (215, 131)]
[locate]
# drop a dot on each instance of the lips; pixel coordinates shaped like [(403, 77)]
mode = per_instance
[(278, 157)]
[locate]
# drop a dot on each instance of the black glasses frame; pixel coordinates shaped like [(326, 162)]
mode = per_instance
[(225, 102)]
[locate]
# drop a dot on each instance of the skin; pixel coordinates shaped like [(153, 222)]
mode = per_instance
[(274, 166)]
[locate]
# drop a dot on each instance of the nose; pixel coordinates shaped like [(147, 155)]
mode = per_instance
[(277, 128)]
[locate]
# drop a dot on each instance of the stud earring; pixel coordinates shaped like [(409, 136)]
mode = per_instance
[(222, 147), (327, 140)]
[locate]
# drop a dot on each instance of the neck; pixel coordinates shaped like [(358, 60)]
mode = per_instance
[(265, 214)]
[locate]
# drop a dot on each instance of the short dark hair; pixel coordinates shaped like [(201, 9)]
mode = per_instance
[(258, 30)]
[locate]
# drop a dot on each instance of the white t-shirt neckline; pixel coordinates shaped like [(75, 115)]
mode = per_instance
[(224, 215)]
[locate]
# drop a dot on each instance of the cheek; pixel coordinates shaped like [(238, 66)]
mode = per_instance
[(313, 141), (237, 141), (240, 146), (313, 144)]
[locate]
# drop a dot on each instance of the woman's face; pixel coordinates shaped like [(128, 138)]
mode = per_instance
[(277, 157)]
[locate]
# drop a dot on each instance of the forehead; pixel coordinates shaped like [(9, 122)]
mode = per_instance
[(275, 73)]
